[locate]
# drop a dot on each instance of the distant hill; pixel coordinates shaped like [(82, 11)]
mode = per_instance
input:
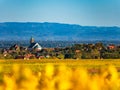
[(56, 31)]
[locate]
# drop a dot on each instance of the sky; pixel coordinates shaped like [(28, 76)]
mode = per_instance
[(82, 12)]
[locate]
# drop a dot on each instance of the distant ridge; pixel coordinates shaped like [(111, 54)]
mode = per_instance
[(56, 31)]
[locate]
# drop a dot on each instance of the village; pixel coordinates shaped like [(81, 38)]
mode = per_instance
[(77, 51)]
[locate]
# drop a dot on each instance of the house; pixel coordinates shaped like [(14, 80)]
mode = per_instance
[(14, 47), (29, 56), (77, 51), (111, 46), (34, 46)]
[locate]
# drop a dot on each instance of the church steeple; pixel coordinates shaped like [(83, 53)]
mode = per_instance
[(32, 40)]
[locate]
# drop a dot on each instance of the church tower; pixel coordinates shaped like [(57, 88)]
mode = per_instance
[(34, 46), (32, 40)]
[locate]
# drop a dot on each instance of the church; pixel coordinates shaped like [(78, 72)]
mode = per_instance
[(34, 46)]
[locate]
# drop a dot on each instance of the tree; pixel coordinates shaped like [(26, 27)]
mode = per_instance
[(61, 56)]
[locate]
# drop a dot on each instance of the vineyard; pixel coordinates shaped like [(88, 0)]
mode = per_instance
[(59, 75)]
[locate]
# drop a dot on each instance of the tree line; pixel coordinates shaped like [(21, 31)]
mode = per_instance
[(76, 51)]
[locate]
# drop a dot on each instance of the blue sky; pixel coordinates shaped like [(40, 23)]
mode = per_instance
[(83, 12)]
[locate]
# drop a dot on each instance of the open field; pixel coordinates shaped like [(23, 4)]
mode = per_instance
[(59, 74), (94, 64)]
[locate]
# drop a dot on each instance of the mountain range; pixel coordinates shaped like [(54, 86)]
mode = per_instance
[(56, 32)]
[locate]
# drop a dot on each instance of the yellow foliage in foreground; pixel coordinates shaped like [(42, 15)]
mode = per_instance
[(59, 77)]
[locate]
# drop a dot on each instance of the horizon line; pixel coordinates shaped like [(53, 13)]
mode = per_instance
[(60, 23)]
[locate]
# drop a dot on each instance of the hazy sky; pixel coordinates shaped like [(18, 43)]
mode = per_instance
[(83, 12)]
